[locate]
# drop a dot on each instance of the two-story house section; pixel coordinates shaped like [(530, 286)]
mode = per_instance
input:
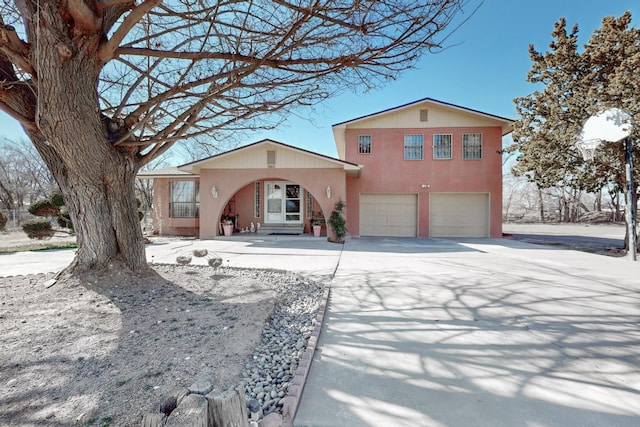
[(424, 169), (430, 169)]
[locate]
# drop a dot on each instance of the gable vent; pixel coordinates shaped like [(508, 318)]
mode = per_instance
[(271, 158), (424, 115)]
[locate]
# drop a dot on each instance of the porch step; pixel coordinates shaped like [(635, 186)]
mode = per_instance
[(285, 229)]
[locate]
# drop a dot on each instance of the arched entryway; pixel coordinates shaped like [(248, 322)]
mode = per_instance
[(267, 198)]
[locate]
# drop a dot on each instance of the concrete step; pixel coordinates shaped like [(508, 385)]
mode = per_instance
[(286, 229)]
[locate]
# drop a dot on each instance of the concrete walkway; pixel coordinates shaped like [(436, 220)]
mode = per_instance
[(312, 257), (432, 332)]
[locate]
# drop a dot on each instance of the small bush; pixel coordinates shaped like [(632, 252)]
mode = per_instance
[(337, 222), (44, 208), (57, 200), (64, 220), (38, 228), (3, 220)]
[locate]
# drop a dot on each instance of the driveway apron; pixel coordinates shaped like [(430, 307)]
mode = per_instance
[(436, 332)]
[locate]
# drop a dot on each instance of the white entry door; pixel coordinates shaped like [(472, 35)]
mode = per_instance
[(284, 203)]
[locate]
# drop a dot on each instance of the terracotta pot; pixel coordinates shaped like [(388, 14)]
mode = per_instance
[(228, 229)]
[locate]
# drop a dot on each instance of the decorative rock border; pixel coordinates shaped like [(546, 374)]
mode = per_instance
[(292, 400)]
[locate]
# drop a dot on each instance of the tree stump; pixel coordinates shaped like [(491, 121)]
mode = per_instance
[(228, 409), (153, 420), (192, 412)]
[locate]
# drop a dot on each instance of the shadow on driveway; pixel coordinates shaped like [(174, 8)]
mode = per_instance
[(484, 332)]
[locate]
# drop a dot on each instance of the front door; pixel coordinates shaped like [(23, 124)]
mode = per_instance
[(283, 203)]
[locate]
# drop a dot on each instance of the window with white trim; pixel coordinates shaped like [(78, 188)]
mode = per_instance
[(472, 146), (257, 200), (442, 146), (185, 199), (413, 147), (364, 144)]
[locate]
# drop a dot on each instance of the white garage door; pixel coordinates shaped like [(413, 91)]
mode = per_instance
[(459, 215), (391, 215)]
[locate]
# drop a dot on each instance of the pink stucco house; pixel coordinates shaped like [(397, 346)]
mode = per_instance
[(423, 169)]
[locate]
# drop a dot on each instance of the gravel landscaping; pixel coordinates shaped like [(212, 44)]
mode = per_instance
[(106, 349)]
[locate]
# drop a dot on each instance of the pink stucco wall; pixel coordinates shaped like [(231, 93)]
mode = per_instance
[(386, 171), (243, 205), (162, 223), (239, 182)]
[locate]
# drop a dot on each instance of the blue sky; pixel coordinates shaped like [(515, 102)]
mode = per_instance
[(484, 68)]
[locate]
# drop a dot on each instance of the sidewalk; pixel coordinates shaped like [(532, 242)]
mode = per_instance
[(310, 256)]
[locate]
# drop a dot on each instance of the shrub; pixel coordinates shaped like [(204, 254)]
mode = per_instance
[(39, 228), (3, 220), (64, 220), (44, 208), (57, 200), (337, 222)]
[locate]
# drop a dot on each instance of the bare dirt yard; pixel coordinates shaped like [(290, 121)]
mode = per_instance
[(104, 349)]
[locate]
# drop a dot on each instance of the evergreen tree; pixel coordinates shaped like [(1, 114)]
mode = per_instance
[(573, 84)]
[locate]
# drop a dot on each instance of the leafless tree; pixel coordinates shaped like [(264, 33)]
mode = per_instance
[(103, 87), (24, 178)]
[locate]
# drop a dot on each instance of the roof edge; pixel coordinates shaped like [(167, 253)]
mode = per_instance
[(410, 104), (264, 141)]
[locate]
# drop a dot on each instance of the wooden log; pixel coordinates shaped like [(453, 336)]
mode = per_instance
[(228, 409), (192, 412)]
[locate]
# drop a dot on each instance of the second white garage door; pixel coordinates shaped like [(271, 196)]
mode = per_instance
[(389, 215), (459, 215)]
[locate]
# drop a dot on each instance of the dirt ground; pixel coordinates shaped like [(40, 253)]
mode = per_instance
[(104, 349)]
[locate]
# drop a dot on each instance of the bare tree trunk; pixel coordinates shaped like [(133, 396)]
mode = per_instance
[(541, 204), (103, 211), (96, 179)]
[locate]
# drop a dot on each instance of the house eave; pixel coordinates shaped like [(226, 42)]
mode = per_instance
[(506, 123), (209, 162), (172, 172)]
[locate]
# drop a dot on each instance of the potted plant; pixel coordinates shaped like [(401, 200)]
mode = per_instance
[(317, 227), (228, 228), (337, 223)]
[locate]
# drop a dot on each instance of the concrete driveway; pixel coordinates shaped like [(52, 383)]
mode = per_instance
[(433, 332)]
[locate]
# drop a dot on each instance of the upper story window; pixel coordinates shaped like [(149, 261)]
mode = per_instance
[(185, 199), (442, 146), (364, 144), (413, 147), (472, 146)]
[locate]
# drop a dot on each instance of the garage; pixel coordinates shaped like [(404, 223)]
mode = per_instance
[(459, 215), (389, 215)]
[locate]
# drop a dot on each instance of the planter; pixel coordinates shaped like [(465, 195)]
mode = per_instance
[(316, 230), (228, 229)]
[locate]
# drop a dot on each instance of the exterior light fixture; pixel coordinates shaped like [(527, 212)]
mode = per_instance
[(328, 192), (214, 192)]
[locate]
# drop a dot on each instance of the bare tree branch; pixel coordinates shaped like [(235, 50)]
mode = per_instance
[(108, 49)]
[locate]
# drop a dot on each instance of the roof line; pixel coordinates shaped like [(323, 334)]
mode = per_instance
[(264, 141), (448, 104)]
